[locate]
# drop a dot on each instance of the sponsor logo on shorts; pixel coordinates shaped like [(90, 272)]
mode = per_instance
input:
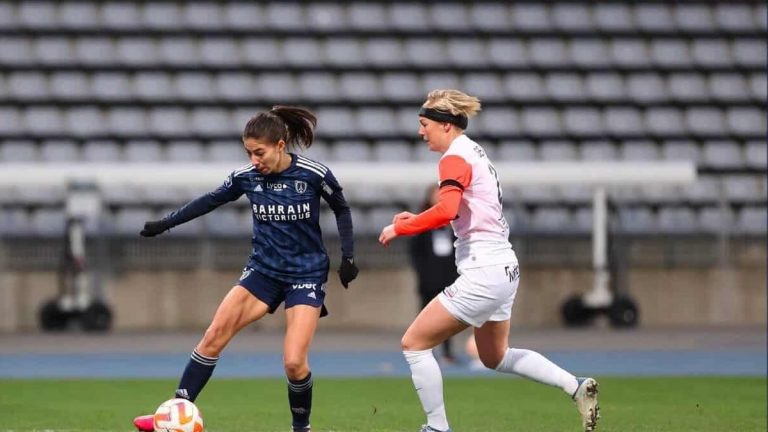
[(304, 286)]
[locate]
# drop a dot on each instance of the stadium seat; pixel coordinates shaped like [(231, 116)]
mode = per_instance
[(37, 15), (742, 187), (676, 220), (637, 220), (43, 119), (343, 51), (16, 50), (143, 151), (28, 85), (499, 120), (194, 86), (143, 51), (758, 84), (629, 52), (129, 221), (350, 151), (612, 16), (392, 151), (507, 52), (733, 16), (228, 221), (638, 150), (687, 86), (243, 15), (425, 52), (110, 86), (551, 151), (168, 120), (728, 87), (647, 87), (572, 16), (318, 86), (235, 86), (95, 51), (400, 86), (10, 120), (384, 52), (680, 150), (716, 219), (335, 121), (408, 16), (450, 16), (516, 151), (589, 53), (722, 154), (375, 121), (439, 80), (68, 85), (153, 86), (260, 51), (101, 151), (623, 120), (368, 16), (360, 86), (755, 154), (749, 52), (548, 52), (202, 15), (178, 51), (749, 121), (466, 52), (531, 16), (278, 86), (605, 86), (489, 16), (670, 53), (59, 151), (302, 52), (185, 151), (752, 220), (326, 16), (14, 221), (540, 121), (285, 15), (583, 121), (705, 121), (161, 15), (694, 17), (485, 86), (8, 17), (47, 222), (546, 219), (18, 151), (706, 189), (525, 86), (564, 87), (219, 51), (598, 151), (654, 16), (711, 53), (664, 121)]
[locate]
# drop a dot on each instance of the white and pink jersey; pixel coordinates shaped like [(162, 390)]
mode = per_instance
[(482, 231)]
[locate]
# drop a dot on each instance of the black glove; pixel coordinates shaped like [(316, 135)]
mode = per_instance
[(153, 228), (347, 271)]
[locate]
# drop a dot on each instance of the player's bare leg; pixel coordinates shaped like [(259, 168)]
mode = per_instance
[(492, 341), (430, 328), (238, 309), (301, 324)]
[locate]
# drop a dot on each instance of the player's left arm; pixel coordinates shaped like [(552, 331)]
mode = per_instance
[(331, 191), (455, 177)]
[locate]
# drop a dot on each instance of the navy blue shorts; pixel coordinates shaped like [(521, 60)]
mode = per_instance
[(273, 291)]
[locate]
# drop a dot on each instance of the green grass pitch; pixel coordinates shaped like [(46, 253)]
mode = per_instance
[(390, 404)]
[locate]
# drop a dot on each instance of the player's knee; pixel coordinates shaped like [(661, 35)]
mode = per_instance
[(295, 368), (408, 343), (214, 340), (491, 360)]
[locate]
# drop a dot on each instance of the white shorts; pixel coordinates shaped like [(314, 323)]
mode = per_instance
[(482, 294)]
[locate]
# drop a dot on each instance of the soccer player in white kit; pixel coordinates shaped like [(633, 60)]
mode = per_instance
[(482, 296)]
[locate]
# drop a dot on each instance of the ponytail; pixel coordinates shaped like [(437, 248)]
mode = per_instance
[(294, 125)]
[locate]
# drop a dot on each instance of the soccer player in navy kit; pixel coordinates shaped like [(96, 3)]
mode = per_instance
[(288, 261)]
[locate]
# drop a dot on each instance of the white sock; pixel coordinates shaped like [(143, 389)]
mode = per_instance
[(428, 381), (535, 366)]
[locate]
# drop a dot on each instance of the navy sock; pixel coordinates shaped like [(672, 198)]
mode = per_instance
[(300, 398), (195, 376)]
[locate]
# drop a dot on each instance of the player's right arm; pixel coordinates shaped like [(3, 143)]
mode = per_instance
[(229, 191)]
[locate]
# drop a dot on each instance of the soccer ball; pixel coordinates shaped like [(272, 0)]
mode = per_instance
[(178, 415)]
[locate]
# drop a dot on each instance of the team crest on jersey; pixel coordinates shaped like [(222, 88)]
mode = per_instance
[(246, 272), (301, 186)]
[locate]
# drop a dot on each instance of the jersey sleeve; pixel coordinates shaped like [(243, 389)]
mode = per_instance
[(331, 191), (455, 177), (228, 191)]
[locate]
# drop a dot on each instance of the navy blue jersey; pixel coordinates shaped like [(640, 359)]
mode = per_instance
[(287, 241)]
